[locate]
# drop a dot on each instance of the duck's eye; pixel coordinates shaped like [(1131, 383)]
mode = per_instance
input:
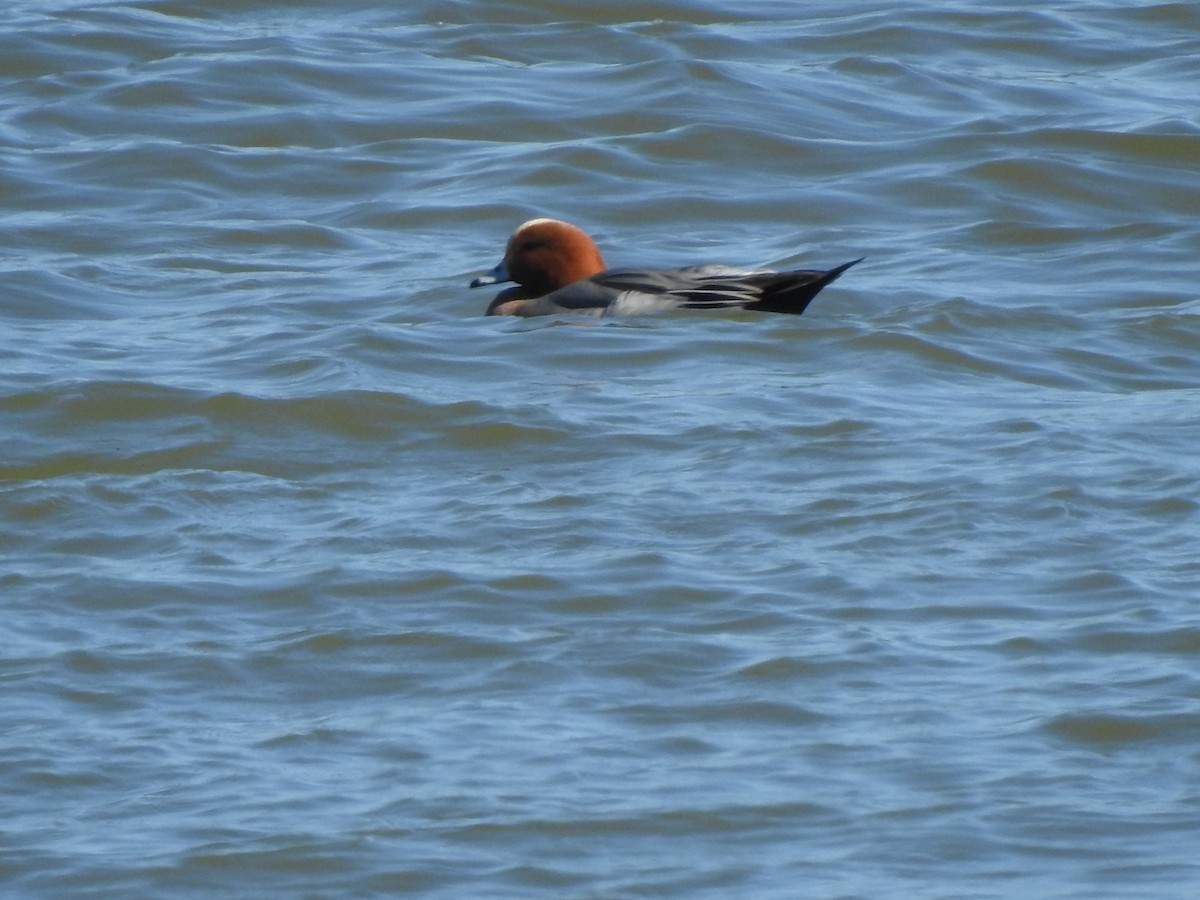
[(532, 245)]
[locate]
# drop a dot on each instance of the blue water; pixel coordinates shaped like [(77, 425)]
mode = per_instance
[(318, 583)]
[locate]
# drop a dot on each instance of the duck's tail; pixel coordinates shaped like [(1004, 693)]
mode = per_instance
[(791, 292)]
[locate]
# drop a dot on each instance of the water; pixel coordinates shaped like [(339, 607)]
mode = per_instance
[(319, 584)]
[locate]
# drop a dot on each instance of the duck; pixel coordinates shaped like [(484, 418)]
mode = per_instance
[(557, 268)]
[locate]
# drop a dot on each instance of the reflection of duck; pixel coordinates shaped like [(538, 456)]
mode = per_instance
[(558, 269)]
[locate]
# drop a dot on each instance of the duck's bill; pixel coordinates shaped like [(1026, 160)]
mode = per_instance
[(495, 276)]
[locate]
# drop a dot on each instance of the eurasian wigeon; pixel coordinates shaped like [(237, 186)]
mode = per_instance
[(558, 269)]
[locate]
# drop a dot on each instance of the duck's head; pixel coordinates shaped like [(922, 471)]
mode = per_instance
[(544, 255)]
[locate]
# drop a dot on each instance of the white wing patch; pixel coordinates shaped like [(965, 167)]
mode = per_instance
[(634, 303)]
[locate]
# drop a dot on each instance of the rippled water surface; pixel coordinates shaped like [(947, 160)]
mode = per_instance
[(318, 583)]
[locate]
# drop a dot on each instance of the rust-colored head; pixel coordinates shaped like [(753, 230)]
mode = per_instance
[(544, 255)]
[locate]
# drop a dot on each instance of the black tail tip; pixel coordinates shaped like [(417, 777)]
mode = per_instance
[(838, 270)]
